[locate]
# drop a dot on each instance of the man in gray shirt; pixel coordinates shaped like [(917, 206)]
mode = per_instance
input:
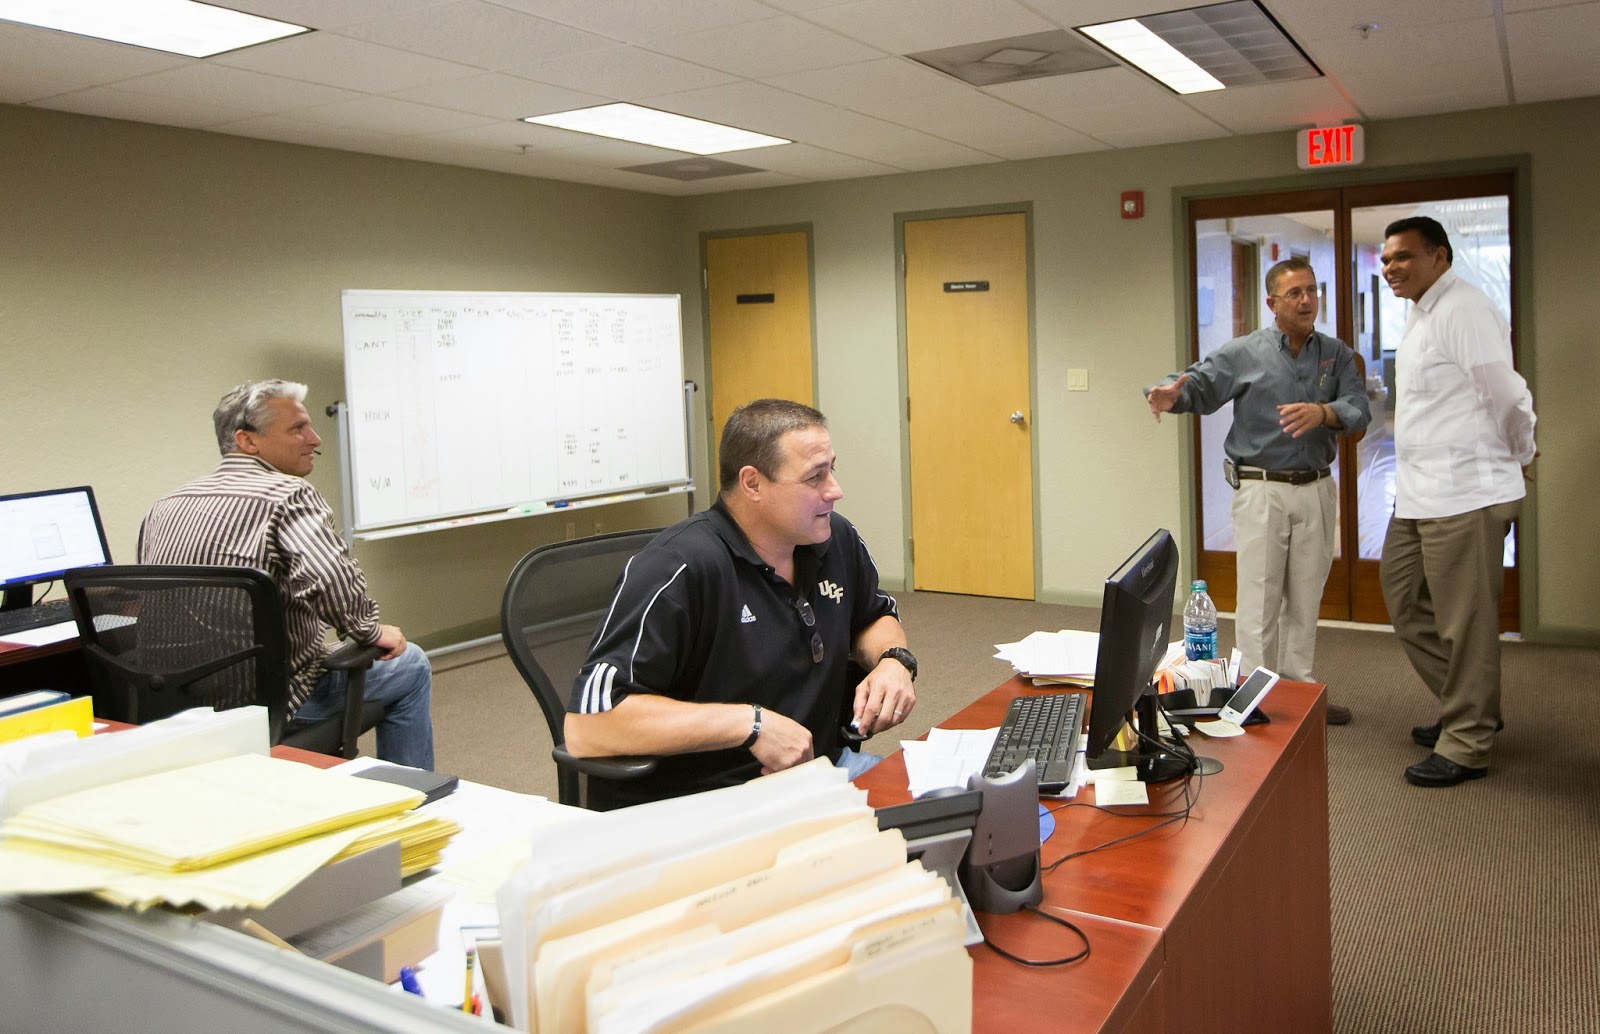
[(1294, 392)]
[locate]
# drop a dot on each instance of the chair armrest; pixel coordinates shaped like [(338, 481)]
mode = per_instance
[(622, 766), (351, 656), (355, 659)]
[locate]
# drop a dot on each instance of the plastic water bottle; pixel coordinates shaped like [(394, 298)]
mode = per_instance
[(1199, 624)]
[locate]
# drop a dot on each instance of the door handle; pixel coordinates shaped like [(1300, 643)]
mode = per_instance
[(1018, 419)]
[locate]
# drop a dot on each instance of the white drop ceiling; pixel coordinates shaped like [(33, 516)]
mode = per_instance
[(447, 80)]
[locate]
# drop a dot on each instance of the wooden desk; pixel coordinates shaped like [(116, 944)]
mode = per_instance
[(1218, 924), (56, 665)]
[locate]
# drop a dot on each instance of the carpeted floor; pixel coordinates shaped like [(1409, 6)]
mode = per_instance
[(1466, 909)]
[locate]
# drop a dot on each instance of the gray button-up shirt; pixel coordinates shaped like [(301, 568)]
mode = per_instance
[(1258, 373)]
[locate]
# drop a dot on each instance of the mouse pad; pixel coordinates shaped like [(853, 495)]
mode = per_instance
[(1047, 823)]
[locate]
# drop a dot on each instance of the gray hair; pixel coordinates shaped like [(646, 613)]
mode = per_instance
[(245, 408)]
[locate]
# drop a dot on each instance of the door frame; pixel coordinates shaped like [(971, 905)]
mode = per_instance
[(1369, 185), (1025, 209), (709, 445)]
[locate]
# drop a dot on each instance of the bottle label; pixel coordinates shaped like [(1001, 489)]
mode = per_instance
[(1200, 646)]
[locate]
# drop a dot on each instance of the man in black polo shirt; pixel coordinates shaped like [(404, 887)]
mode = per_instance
[(725, 649)]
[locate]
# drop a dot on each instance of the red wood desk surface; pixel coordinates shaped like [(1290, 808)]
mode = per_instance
[(1234, 902)]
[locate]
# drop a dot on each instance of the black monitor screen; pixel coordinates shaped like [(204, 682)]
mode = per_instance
[(44, 534), (1135, 619)]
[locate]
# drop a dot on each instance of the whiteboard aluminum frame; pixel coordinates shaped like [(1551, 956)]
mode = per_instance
[(530, 508)]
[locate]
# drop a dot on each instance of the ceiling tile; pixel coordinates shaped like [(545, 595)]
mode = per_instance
[(641, 21), (901, 91), (110, 102), (1108, 104), (771, 46), (1384, 72), (1312, 20), (500, 96), (1141, 136), (907, 26), (295, 131), (1292, 105), (322, 57), (1070, 14), (1553, 52), (387, 115), (622, 73), (330, 14), (514, 137), (235, 88), (475, 33), (37, 63), (814, 163)]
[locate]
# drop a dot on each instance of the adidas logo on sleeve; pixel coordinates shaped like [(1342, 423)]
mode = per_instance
[(745, 617)]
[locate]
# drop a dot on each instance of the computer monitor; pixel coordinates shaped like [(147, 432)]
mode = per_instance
[(45, 534), (1135, 622)]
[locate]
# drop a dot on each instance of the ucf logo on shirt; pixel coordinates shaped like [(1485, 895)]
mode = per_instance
[(831, 590)]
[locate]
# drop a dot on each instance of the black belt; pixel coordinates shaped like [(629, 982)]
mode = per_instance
[(1290, 477)]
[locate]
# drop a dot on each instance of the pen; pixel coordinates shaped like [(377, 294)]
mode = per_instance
[(408, 980), (466, 995)]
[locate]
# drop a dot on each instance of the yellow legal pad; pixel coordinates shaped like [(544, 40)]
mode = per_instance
[(206, 815)]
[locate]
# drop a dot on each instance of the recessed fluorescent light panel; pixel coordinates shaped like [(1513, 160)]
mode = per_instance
[(1152, 55), (656, 128), (1207, 48), (175, 26)]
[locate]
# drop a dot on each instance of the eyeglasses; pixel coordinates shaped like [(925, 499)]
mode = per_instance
[(809, 616), (1296, 294)]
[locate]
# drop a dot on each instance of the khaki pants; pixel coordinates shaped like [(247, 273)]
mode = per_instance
[(1442, 580), (1284, 537)]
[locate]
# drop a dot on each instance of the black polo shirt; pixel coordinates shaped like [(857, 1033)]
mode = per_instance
[(699, 616)]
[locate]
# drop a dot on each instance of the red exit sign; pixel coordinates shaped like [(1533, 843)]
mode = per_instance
[(1331, 146)]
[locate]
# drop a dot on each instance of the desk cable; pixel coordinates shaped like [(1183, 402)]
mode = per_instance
[(1178, 747)]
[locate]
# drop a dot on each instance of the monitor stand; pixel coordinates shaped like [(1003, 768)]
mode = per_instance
[(1152, 765)]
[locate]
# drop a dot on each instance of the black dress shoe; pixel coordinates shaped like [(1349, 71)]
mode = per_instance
[(1437, 770), (1428, 735)]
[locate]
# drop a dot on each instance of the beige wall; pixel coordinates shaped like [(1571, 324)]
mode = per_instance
[(1106, 297), (147, 269)]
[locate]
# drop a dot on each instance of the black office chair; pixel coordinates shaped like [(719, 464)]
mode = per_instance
[(158, 639), (554, 601)]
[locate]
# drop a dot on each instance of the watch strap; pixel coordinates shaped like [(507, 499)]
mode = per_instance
[(755, 729), (904, 656)]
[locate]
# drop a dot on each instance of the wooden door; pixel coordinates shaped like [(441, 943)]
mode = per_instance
[(970, 419), (758, 301)]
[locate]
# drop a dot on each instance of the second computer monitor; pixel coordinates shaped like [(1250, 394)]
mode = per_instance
[(1135, 619)]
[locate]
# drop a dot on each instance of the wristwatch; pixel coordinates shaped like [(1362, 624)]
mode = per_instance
[(755, 729), (904, 656)]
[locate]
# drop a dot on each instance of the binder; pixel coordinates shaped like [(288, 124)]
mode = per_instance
[(73, 715)]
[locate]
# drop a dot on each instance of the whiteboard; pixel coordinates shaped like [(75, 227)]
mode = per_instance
[(463, 402)]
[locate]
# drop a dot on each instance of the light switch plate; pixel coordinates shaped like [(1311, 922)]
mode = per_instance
[(1077, 380)]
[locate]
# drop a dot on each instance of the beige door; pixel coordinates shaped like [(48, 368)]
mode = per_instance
[(758, 296), (971, 424)]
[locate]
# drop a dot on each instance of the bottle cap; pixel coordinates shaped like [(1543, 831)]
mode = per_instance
[(1197, 586)]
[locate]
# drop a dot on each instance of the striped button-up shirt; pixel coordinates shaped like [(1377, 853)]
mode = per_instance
[(247, 513)]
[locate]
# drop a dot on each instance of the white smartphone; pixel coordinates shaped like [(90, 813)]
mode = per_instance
[(1248, 696)]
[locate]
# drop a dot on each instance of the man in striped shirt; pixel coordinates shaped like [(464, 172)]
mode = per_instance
[(257, 510)]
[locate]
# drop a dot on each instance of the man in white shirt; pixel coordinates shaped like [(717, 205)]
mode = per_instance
[(1463, 434)]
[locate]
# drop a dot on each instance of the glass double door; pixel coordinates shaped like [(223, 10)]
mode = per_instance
[(1233, 242)]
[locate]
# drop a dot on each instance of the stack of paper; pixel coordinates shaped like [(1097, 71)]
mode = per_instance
[(1066, 657), (773, 905), (238, 832)]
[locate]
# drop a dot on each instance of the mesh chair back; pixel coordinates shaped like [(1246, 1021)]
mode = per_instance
[(554, 601), (159, 639)]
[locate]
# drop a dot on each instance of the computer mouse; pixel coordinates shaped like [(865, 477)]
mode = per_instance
[(941, 791), (852, 734)]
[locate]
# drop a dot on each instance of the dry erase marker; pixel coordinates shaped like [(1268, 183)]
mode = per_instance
[(408, 980), (558, 505)]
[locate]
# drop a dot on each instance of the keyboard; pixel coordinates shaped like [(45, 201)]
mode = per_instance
[(24, 619), (1044, 728)]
